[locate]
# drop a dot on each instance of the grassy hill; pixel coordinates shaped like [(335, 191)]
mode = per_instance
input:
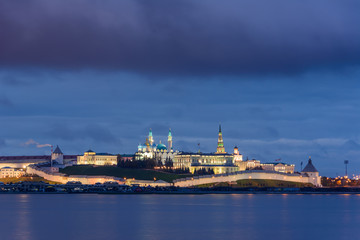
[(258, 183), (141, 174)]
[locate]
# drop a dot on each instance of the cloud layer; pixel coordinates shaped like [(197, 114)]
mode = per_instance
[(184, 37)]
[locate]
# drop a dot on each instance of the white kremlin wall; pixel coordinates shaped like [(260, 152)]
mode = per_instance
[(184, 182), (62, 178), (232, 177), (15, 164)]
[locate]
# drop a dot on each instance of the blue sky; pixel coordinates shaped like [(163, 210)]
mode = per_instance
[(282, 78)]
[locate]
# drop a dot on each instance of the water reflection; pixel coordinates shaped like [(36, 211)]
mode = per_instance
[(22, 215), (163, 217)]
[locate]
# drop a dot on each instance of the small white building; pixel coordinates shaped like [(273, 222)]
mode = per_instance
[(278, 167), (248, 164), (8, 172)]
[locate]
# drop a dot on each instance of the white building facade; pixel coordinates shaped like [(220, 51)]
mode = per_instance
[(9, 172), (101, 159)]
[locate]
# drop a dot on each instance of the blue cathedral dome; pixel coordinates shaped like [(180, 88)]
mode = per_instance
[(161, 146)]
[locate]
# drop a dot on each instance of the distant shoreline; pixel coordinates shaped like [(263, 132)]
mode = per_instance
[(201, 193)]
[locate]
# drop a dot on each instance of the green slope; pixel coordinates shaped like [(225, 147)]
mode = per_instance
[(140, 174)]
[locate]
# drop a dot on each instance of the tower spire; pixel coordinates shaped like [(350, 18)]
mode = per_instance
[(220, 147), (169, 140), (151, 139)]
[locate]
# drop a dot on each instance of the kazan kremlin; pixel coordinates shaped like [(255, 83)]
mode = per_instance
[(225, 167)]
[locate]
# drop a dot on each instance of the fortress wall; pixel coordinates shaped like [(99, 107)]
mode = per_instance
[(94, 179), (185, 182), (58, 177), (145, 183), (14, 165), (245, 175), (20, 163), (62, 178)]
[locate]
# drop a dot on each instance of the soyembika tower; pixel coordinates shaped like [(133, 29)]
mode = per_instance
[(220, 147)]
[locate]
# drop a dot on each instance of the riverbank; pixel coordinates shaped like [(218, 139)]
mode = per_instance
[(189, 193), (115, 188)]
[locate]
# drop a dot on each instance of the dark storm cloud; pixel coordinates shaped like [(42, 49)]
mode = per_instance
[(181, 37)]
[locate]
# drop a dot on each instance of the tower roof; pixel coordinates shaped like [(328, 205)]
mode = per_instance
[(150, 132), (57, 150), (309, 167), (219, 127), (169, 132)]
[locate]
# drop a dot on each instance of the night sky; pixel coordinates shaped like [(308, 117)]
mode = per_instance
[(282, 77)]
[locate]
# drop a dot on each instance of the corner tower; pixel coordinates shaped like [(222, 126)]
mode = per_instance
[(312, 173), (57, 156), (220, 147)]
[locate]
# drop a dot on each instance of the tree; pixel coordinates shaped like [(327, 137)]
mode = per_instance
[(159, 163), (118, 156), (168, 163)]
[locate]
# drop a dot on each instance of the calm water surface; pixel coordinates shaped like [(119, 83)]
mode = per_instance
[(86, 217)]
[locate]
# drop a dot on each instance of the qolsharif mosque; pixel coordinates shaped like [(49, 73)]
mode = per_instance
[(160, 151)]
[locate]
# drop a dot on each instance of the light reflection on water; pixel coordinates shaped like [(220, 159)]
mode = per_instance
[(22, 231), (233, 216)]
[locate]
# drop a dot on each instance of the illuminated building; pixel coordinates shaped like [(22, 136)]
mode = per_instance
[(150, 150), (92, 158), (219, 162), (248, 164), (237, 156), (8, 172), (278, 167)]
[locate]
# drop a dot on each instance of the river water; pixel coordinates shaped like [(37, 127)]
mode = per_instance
[(172, 217)]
